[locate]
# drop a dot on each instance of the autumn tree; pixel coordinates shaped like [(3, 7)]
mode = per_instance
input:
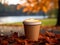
[(37, 5)]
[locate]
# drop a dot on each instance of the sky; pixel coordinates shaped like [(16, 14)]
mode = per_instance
[(14, 1)]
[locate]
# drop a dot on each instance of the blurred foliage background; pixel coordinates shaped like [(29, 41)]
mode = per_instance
[(31, 7)]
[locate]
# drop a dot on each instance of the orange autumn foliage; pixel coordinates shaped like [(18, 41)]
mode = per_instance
[(19, 7), (25, 9), (31, 1), (45, 9), (37, 5)]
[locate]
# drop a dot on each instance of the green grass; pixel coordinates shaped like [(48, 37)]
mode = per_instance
[(49, 22), (45, 22), (16, 23)]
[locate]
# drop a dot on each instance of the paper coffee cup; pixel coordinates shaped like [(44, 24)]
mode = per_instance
[(32, 29)]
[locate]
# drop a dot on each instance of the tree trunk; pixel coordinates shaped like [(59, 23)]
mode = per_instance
[(58, 20), (58, 16)]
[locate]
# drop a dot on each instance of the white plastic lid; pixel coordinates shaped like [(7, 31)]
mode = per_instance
[(32, 22)]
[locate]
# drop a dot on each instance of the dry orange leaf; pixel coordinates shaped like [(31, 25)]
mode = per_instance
[(19, 7), (31, 1), (45, 9), (25, 9)]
